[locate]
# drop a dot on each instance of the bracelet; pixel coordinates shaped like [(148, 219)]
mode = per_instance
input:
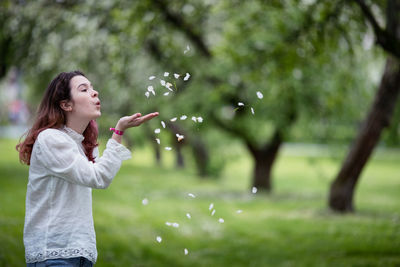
[(117, 131)]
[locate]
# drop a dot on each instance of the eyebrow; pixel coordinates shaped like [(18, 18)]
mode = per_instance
[(83, 84)]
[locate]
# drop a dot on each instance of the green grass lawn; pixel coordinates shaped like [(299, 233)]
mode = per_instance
[(290, 227)]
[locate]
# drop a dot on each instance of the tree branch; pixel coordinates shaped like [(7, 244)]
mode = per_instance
[(179, 22), (385, 39)]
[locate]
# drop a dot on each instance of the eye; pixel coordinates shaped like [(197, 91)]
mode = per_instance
[(84, 90)]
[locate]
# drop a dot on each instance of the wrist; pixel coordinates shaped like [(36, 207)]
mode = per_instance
[(116, 131), (119, 127)]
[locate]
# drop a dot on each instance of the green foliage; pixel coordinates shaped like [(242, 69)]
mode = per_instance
[(289, 227)]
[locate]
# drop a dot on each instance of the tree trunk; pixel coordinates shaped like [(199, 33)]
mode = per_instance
[(201, 157), (197, 145), (342, 189), (180, 161), (264, 159)]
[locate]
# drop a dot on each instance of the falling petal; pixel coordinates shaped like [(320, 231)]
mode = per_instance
[(254, 190), (150, 88), (159, 239), (168, 148), (194, 119), (186, 77), (220, 220), (188, 215), (145, 201), (147, 94), (200, 119), (166, 93), (168, 223), (168, 86), (186, 251), (187, 49), (166, 74), (211, 206), (176, 225), (239, 211), (213, 212), (252, 110), (184, 117), (259, 95), (173, 119), (191, 195), (163, 124), (162, 82), (180, 138), (152, 78), (240, 104), (176, 75), (157, 131), (158, 140)]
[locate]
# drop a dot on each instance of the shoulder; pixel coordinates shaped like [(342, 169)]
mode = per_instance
[(52, 136)]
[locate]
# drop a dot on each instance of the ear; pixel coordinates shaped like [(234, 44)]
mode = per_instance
[(66, 105)]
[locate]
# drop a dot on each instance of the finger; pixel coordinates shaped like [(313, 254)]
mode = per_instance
[(149, 116), (135, 116)]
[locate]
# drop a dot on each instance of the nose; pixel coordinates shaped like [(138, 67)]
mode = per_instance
[(94, 93)]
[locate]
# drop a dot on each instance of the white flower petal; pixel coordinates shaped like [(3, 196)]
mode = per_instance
[(163, 124), (194, 119), (166, 93), (152, 78), (200, 119), (145, 201), (157, 131), (186, 77), (150, 88), (211, 206), (187, 49), (166, 74), (184, 117), (188, 215), (168, 148), (158, 140), (220, 220), (254, 190), (213, 212), (159, 239), (259, 95), (239, 211), (176, 75), (191, 195), (162, 82), (252, 110), (176, 225), (168, 86), (186, 251), (147, 94), (168, 223), (180, 138), (173, 119), (240, 104)]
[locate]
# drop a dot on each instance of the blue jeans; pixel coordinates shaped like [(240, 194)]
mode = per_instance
[(71, 262)]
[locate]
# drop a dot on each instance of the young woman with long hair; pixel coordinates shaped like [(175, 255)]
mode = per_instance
[(61, 150)]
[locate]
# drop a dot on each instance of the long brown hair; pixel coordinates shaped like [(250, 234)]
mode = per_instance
[(51, 115)]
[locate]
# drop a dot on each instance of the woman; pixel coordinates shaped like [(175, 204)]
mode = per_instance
[(62, 151)]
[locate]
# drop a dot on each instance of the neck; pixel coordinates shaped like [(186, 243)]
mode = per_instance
[(77, 126)]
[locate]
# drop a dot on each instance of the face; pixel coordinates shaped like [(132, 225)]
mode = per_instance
[(85, 103)]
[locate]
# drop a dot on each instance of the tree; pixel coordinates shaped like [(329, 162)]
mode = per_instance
[(379, 116)]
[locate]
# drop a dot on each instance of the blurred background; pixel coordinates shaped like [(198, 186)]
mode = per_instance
[(289, 111)]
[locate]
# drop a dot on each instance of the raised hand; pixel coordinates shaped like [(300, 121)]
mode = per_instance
[(134, 120)]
